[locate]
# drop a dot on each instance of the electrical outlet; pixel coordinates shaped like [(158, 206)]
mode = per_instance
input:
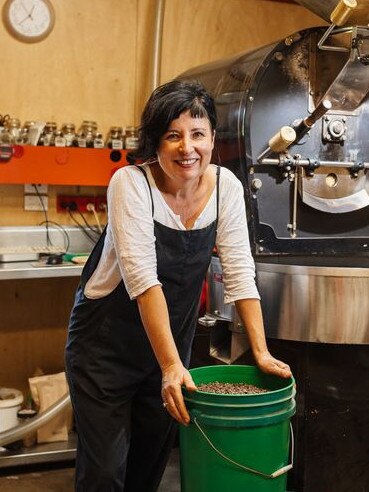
[(33, 203), (41, 188), (77, 202), (101, 204)]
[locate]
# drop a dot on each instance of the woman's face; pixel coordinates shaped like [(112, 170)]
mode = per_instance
[(185, 148)]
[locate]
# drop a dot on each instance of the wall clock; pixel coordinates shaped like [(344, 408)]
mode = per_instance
[(29, 20)]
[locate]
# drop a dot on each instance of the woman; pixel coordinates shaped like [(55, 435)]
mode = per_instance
[(135, 312)]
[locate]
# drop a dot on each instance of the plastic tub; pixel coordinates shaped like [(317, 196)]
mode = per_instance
[(10, 402)]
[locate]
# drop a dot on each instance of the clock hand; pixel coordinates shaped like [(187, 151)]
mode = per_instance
[(24, 8), (23, 20), (31, 12)]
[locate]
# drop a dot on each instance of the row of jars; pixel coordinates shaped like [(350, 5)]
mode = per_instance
[(48, 134)]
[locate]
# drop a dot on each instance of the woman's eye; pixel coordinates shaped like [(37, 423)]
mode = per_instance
[(172, 136), (198, 135)]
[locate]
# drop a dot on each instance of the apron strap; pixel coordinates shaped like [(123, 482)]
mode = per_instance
[(148, 184), (218, 179)]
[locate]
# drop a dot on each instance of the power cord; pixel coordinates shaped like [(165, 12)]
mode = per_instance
[(62, 229), (81, 227), (48, 240), (91, 208)]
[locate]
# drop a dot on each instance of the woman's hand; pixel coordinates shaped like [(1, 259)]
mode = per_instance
[(174, 377), (268, 364)]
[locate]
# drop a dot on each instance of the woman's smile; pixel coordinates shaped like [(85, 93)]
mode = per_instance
[(186, 162)]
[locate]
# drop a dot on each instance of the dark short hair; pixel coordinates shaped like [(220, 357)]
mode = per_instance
[(166, 104)]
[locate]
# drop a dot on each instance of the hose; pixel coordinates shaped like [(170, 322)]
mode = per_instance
[(15, 433)]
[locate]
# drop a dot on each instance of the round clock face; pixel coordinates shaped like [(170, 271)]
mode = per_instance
[(29, 20)]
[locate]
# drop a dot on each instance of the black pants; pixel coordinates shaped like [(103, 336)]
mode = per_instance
[(125, 435)]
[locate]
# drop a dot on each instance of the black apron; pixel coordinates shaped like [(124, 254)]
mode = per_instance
[(124, 434)]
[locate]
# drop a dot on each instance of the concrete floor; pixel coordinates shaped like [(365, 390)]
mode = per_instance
[(61, 479)]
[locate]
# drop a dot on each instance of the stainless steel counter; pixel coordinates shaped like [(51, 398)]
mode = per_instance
[(68, 238), (28, 270)]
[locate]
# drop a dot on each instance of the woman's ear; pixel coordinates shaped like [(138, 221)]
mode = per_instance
[(213, 140)]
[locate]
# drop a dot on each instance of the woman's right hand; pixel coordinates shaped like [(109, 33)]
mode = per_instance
[(174, 377)]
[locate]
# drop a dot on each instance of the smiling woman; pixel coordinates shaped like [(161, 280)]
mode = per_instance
[(136, 309), (29, 20)]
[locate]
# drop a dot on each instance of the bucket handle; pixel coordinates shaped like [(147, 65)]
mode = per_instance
[(275, 474)]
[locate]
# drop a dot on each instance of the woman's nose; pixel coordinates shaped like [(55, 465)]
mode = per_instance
[(185, 145)]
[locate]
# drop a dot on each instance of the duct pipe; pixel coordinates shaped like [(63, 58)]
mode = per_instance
[(157, 44), (19, 431)]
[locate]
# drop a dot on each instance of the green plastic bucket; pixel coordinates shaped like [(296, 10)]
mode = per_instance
[(239, 443)]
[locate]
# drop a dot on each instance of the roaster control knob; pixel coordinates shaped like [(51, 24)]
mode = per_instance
[(256, 184)]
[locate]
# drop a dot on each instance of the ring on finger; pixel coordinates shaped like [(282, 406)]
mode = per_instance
[(165, 404)]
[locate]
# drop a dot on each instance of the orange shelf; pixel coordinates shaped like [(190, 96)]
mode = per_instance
[(61, 165)]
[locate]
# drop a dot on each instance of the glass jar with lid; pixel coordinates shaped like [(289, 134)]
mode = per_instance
[(87, 133), (131, 138), (12, 131), (48, 134), (59, 140), (25, 131), (98, 142), (115, 139), (69, 133)]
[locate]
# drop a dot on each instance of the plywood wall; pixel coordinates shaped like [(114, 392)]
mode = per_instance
[(33, 327)]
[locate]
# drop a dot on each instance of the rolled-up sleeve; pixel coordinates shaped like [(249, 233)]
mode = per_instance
[(233, 244), (132, 230)]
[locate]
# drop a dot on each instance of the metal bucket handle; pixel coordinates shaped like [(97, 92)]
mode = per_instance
[(275, 474)]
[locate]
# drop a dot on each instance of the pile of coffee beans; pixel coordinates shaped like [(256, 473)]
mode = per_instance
[(230, 388)]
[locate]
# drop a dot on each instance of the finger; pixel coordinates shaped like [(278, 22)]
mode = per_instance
[(283, 369), (181, 407), (277, 367), (189, 383), (175, 412), (175, 404)]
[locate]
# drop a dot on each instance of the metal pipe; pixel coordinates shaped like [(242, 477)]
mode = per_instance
[(157, 44), (19, 431), (307, 163)]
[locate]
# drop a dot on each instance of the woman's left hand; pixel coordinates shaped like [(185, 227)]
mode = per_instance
[(268, 364)]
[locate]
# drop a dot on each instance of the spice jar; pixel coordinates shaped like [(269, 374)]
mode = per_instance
[(115, 138), (69, 133), (87, 132), (48, 135), (131, 138), (12, 131), (25, 131), (98, 142)]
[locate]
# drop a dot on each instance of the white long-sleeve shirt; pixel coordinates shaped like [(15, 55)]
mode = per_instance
[(129, 248)]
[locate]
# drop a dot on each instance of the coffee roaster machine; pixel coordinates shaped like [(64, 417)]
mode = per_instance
[(294, 127)]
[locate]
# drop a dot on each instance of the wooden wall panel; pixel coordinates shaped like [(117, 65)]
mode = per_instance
[(197, 31), (85, 69), (33, 324)]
